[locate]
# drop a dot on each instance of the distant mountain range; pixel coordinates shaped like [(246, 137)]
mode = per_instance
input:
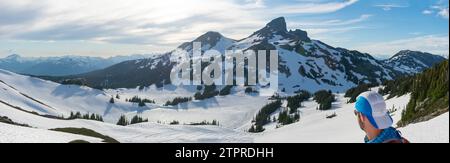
[(60, 66), (305, 63)]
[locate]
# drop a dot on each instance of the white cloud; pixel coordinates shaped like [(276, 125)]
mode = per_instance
[(415, 33), (443, 13), (325, 29), (253, 4), (149, 22), (427, 12), (430, 43), (388, 7), (134, 21), (333, 22), (316, 7), (440, 9), (317, 32)]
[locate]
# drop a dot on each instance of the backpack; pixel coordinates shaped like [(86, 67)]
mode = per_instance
[(397, 141)]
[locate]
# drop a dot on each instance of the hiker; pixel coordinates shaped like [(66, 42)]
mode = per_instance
[(374, 119)]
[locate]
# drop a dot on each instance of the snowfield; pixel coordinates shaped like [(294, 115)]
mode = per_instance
[(314, 127), (234, 113), (433, 131), (169, 91), (17, 134), (49, 98), (139, 133)]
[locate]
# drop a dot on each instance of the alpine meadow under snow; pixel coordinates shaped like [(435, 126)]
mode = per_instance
[(134, 101), (234, 112)]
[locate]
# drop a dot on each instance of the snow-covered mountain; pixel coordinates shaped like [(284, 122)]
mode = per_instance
[(412, 62), (153, 70), (59, 66), (305, 63), (210, 40), (130, 74)]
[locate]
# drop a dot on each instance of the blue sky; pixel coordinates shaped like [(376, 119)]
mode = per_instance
[(121, 27)]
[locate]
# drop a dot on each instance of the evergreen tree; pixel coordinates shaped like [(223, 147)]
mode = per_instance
[(294, 102), (252, 129), (259, 128), (353, 93), (325, 99), (296, 116), (225, 91), (398, 87), (141, 104), (284, 118), (141, 101), (77, 115), (86, 116), (137, 119), (250, 90), (174, 123), (123, 121), (72, 116), (263, 116), (209, 92), (198, 96), (429, 95), (177, 101)]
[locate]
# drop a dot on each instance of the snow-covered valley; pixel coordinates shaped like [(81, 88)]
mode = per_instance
[(22, 98)]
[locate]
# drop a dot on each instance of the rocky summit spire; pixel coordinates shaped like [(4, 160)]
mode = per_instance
[(278, 25)]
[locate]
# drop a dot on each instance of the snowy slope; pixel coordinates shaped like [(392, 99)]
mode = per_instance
[(433, 131), (139, 133), (399, 104), (294, 81), (235, 113), (314, 127), (169, 91), (17, 134), (50, 98), (232, 111)]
